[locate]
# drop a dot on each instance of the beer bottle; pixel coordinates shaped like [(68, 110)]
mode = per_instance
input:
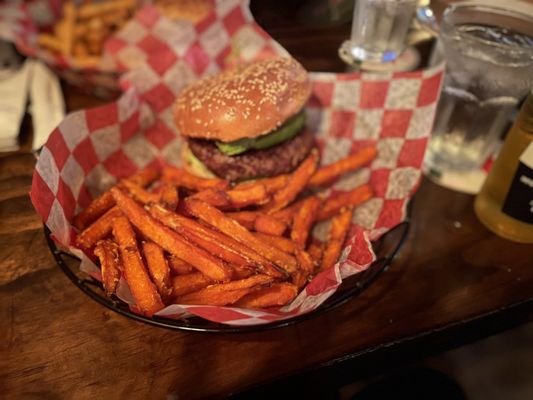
[(505, 202)]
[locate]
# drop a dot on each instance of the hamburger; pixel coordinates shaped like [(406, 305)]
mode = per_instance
[(247, 122)]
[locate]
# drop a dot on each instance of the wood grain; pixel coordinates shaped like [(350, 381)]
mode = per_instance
[(56, 343)]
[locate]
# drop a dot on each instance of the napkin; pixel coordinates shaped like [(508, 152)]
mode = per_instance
[(14, 83), (35, 85)]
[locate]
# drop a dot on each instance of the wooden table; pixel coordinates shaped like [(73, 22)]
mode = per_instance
[(453, 282)]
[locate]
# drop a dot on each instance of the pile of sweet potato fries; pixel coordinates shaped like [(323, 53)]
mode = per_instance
[(179, 239)]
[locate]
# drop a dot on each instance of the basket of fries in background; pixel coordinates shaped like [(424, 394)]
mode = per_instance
[(81, 31), (82, 40), (172, 248)]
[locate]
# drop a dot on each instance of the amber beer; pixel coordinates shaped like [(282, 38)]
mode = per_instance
[(505, 203)]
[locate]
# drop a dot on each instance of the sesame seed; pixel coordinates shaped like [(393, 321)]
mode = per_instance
[(241, 92)]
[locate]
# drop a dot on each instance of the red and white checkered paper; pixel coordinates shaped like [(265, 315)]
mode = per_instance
[(92, 149)]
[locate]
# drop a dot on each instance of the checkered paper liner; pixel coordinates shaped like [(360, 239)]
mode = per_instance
[(92, 149), (15, 23)]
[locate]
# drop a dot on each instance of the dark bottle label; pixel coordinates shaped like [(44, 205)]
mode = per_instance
[(519, 201)]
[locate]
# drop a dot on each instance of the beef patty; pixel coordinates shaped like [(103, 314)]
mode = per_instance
[(273, 161)]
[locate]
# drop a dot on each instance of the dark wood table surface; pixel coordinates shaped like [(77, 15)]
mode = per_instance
[(452, 282)]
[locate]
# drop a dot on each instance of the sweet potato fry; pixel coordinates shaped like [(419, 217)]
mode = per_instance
[(188, 283), (306, 268), (352, 198), (297, 182), (213, 298), (276, 295), (340, 225), (316, 250), (183, 178), (178, 266), (207, 242), (158, 268), (170, 240), (258, 279), (271, 184), (181, 223), (242, 272), (216, 197), (266, 224), (224, 293), (213, 241), (282, 243), (110, 265), (299, 279), (169, 196), (144, 177), (99, 229), (232, 228), (245, 218), (253, 195), (304, 260), (233, 199), (143, 290), (96, 209), (303, 220), (352, 162), (215, 248), (105, 201), (138, 193), (287, 214)]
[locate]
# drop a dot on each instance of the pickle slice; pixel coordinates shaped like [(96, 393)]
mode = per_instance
[(285, 132)]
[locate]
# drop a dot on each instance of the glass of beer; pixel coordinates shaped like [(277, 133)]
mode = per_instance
[(489, 70)]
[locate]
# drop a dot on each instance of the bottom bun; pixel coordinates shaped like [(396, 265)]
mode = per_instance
[(269, 162)]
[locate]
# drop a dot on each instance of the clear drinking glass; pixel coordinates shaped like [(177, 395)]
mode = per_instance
[(379, 30), (489, 70)]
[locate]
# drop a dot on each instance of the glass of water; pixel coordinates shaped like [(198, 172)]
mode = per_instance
[(489, 69), (379, 30)]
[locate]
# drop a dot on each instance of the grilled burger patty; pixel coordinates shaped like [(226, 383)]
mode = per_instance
[(273, 161)]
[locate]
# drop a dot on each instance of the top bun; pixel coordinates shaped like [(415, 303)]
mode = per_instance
[(245, 102)]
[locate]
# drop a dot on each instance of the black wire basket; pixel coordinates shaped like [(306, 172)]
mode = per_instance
[(385, 248)]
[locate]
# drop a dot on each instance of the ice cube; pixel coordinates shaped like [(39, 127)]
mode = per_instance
[(497, 34), (502, 101), (461, 94)]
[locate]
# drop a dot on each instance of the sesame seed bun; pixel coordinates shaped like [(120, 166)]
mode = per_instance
[(245, 102)]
